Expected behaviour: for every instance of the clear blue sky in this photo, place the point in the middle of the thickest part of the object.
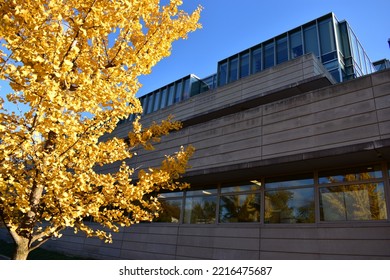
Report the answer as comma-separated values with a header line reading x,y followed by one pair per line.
x,y
230,26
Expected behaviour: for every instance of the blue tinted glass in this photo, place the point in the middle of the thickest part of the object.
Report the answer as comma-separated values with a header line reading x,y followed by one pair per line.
x,y
281,48
186,92
157,101
171,94
327,40
222,74
163,98
244,65
311,40
233,70
150,104
178,92
288,182
269,55
256,60
296,48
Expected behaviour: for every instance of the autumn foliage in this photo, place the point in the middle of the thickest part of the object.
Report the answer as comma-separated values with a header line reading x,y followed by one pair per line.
x,y
74,64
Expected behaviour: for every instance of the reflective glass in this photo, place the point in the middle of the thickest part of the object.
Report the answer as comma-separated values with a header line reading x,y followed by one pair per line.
x,y
240,188
289,206
171,94
157,100
171,209
233,70
327,40
239,208
163,98
350,174
244,65
269,55
289,181
296,48
201,192
281,48
178,92
256,60
200,210
311,40
186,92
353,202
150,103
222,74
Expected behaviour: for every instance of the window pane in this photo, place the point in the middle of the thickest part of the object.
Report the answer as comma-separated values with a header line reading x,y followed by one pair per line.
x,y
178,92
353,202
289,206
171,94
170,212
239,208
244,65
163,98
222,74
201,192
296,44
200,210
350,174
281,46
233,70
269,55
256,60
157,101
150,103
289,181
326,36
311,41
240,188
186,92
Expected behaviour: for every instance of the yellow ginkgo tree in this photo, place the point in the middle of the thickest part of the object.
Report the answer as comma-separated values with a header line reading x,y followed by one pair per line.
x,y
74,64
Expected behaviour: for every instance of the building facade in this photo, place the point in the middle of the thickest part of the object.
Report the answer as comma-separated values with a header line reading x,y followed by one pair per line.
x,y
291,162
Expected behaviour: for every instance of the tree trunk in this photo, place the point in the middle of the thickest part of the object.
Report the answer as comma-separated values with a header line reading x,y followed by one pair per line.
x,y
21,249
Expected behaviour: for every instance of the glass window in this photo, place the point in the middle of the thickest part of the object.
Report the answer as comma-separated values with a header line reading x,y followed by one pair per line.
x,y
222,74
157,100
289,181
163,98
178,92
281,49
296,48
311,40
187,91
256,60
350,174
353,202
171,204
200,207
171,94
244,65
327,40
289,206
240,188
239,208
233,70
269,55
150,103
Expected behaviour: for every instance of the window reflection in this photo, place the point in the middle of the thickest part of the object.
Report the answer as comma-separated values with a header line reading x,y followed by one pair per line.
x,y
289,206
256,60
239,208
269,55
200,209
353,202
171,210
296,44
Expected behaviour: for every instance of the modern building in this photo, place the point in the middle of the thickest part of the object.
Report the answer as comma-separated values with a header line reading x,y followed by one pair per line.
x,y
292,158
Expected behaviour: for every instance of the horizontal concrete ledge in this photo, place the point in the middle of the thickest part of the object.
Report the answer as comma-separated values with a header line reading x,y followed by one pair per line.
x,y
287,91
323,159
